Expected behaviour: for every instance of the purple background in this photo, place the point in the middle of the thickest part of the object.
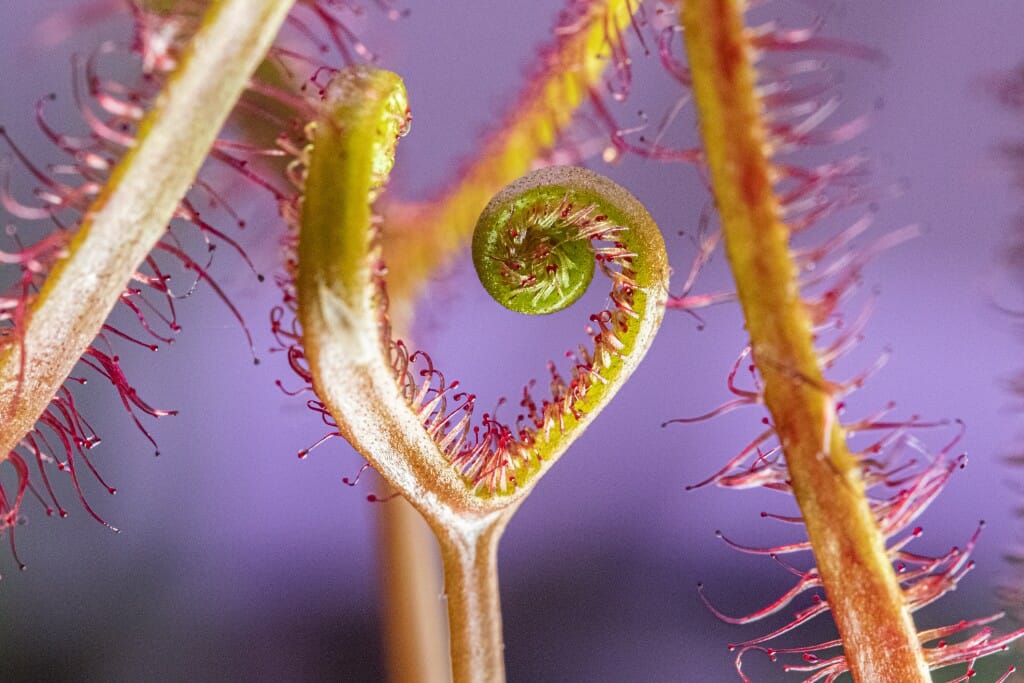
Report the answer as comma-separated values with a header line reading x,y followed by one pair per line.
x,y
238,562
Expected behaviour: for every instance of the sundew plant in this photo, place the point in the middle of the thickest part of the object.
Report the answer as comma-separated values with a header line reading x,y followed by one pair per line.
x,y
799,195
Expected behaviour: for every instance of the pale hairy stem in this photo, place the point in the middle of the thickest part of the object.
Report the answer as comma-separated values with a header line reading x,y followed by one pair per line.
x,y
864,594
469,551
132,212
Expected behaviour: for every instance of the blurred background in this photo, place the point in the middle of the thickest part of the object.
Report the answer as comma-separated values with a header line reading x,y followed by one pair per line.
x,y
236,561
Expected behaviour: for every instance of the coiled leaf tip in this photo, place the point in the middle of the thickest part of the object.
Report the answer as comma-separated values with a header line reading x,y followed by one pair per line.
x,y
532,246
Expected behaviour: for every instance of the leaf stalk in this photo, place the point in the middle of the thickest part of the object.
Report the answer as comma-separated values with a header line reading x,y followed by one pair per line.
x,y
864,594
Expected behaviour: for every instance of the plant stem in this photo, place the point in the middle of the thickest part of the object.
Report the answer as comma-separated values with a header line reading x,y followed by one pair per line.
x,y
863,592
469,551
415,642
132,212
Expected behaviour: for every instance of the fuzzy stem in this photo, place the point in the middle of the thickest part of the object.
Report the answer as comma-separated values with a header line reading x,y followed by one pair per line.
x,y
863,592
469,551
133,210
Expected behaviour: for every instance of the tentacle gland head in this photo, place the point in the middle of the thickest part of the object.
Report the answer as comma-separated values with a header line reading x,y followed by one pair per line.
x,y
538,244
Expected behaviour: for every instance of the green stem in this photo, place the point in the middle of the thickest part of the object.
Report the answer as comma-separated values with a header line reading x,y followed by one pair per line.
x,y
864,594
132,212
